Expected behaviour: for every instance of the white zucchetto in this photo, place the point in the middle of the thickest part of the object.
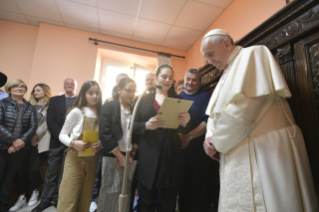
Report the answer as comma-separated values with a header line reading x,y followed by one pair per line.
x,y
216,32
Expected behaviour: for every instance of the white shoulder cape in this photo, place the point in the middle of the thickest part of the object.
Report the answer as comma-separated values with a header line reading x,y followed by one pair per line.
x,y
254,72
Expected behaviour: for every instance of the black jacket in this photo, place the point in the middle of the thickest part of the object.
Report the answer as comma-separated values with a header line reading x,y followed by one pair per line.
x,y
110,127
55,119
8,116
159,151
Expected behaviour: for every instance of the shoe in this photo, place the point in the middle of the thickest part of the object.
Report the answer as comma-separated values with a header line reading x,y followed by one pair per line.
x,y
41,207
34,198
93,206
55,203
19,204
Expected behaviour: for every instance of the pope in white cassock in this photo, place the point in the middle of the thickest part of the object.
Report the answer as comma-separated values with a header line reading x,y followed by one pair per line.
x,y
263,160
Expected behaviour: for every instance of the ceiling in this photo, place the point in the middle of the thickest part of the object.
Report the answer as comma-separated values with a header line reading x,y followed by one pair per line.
x,y
171,23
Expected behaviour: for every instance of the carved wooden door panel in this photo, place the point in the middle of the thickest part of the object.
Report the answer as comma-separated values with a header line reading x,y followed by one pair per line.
x,y
307,70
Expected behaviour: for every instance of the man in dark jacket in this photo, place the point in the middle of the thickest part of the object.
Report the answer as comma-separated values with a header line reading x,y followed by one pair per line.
x,y
58,107
3,80
199,190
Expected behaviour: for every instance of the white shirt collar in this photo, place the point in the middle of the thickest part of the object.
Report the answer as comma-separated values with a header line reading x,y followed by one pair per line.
x,y
233,55
190,93
66,96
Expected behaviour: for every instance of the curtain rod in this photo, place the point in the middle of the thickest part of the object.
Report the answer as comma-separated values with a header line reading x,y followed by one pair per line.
x,y
117,44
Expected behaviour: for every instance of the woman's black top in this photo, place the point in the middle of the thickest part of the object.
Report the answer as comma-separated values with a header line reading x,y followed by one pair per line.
x,y
159,154
10,128
110,127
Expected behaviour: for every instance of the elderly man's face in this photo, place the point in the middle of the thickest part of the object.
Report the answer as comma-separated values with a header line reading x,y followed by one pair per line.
x,y
118,78
191,82
69,86
149,79
217,55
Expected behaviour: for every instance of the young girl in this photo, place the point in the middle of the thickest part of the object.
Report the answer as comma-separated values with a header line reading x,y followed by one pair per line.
x,y
80,172
114,121
159,148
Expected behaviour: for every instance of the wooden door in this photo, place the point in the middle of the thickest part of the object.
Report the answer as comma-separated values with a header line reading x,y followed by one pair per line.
x,y
307,110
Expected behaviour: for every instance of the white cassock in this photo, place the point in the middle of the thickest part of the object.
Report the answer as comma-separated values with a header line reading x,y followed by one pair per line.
x,y
263,163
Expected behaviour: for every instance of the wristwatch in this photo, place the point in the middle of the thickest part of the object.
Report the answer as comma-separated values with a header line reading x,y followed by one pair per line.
x,y
190,136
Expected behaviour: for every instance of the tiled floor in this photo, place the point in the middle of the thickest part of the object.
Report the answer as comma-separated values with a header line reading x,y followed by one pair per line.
x,y
53,209
29,209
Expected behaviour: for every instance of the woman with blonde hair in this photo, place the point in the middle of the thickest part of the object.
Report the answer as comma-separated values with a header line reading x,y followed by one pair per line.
x,y
18,123
39,98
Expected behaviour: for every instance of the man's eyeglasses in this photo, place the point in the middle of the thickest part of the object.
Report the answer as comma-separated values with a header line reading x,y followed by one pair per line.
x,y
22,87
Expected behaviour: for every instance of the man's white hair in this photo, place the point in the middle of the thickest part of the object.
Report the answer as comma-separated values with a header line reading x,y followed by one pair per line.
x,y
150,73
75,82
120,75
218,39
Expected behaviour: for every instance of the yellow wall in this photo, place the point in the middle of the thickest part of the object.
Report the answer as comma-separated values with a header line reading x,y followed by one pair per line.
x,y
49,54
241,17
17,46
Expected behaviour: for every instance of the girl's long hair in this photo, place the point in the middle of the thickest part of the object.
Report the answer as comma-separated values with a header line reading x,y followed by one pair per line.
x,y
47,94
80,100
122,83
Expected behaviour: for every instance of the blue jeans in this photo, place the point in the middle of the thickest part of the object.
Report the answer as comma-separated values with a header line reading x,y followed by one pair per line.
x,y
97,183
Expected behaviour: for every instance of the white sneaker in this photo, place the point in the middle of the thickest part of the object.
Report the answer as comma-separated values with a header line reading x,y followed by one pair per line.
x,y
34,198
93,207
19,204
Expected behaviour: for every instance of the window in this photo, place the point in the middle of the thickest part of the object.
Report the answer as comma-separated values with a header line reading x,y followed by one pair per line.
x,y
109,79
114,63
140,73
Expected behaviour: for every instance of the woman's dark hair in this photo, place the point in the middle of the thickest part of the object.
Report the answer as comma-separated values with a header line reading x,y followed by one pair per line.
x,y
171,92
159,69
122,83
80,100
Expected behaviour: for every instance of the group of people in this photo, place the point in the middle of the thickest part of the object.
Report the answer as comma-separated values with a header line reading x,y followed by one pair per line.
x,y
55,126
245,130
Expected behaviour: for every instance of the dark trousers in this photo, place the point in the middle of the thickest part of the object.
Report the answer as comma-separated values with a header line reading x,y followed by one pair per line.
x,y
9,166
55,157
36,160
97,183
23,177
199,191
149,199
137,184
134,187
29,171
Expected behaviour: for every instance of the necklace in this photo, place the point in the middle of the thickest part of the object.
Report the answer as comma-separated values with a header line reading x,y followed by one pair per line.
x,y
224,78
222,84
